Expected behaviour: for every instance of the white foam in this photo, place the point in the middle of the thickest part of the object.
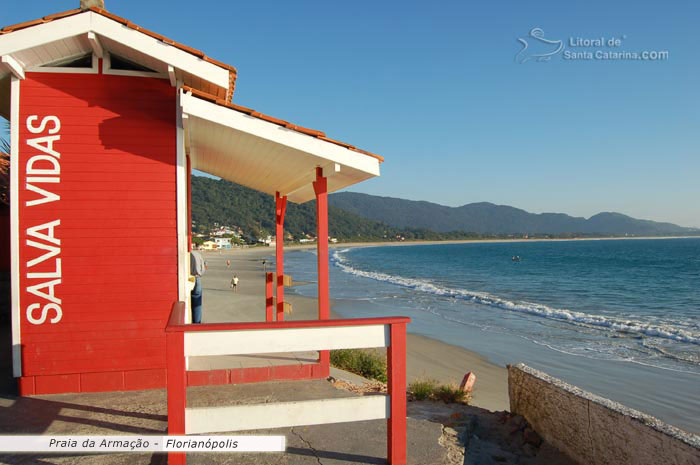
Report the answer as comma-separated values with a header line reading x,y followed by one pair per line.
x,y
540,310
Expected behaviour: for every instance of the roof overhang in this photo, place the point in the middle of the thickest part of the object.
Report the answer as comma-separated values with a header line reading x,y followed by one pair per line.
x,y
266,156
68,36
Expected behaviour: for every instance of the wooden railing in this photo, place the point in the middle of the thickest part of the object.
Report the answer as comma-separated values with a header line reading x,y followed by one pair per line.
x,y
185,340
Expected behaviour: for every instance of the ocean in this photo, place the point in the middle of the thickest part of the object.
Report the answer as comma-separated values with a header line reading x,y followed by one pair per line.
x,y
620,318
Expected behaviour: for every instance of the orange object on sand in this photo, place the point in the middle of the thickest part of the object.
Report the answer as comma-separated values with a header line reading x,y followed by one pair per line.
x,y
468,382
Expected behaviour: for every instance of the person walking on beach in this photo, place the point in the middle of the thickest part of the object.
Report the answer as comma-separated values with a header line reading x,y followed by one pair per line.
x,y
234,283
197,268
228,263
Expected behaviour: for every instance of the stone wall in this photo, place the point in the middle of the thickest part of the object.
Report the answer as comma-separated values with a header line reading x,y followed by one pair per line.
x,y
594,430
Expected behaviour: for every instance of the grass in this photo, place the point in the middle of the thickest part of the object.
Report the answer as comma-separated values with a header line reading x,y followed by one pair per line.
x,y
367,363
430,389
423,389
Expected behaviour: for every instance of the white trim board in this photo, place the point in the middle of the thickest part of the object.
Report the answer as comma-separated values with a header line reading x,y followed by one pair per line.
x,y
285,340
285,414
14,227
13,66
94,69
107,69
181,181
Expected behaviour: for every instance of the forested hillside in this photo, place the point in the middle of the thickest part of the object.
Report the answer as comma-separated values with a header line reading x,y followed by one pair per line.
x,y
226,203
362,217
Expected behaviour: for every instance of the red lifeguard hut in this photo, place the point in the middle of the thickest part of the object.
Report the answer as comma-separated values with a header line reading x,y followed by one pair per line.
x,y
107,121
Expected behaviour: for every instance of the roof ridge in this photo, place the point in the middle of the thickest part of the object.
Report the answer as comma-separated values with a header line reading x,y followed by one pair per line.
x,y
233,73
280,122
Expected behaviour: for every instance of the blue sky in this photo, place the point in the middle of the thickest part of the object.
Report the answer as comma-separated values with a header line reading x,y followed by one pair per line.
x,y
435,88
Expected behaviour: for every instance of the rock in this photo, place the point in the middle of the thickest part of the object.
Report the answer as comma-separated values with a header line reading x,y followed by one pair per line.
x,y
529,450
531,437
516,423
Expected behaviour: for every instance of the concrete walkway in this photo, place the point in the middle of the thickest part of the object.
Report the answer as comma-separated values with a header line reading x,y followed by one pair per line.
x,y
144,412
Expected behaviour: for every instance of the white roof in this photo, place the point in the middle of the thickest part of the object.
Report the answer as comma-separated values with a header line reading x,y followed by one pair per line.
x,y
266,156
65,37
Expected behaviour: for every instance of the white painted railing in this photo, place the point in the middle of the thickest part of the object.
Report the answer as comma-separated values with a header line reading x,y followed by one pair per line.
x,y
288,336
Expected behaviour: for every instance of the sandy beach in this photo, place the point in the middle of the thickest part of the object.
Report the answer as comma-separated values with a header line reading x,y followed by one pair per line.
x,y
426,357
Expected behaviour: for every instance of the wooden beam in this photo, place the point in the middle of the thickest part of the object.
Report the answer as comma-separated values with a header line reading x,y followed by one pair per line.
x,y
96,45
171,75
12,65
201,420
199,343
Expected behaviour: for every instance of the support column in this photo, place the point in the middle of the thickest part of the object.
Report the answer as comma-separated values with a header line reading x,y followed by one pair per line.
x,y
176,391
189,206
396,371
280,209
324,310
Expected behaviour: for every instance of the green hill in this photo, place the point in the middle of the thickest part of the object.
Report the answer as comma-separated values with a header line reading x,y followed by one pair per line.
x,y
226,203
362,217
488,218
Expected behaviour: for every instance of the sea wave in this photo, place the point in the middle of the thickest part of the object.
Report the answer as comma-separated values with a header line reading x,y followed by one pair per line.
x,y
530,308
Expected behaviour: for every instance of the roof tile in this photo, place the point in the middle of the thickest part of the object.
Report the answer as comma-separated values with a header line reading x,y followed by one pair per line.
x,y
17,27
109,15
62,14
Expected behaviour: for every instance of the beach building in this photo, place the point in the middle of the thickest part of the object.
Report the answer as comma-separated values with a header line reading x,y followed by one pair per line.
x,y
108,120
222,242
209,245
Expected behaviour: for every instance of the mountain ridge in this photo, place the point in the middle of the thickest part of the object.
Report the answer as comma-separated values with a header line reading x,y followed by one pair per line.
x,y
363,217
487,217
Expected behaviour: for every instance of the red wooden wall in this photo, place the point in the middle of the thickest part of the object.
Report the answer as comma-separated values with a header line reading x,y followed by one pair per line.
x,y
117,231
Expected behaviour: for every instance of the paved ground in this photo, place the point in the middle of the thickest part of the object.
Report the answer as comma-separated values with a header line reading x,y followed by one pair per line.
x,y
144,412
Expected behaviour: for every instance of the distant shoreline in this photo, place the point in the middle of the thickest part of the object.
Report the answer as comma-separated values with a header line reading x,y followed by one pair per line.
x,y
480,241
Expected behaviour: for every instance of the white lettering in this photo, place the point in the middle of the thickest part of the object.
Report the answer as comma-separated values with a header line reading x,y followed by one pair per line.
x,y
42,125
52,252
33,171
44,313
51,296
44,168
53,274
50,237
48,149
47,196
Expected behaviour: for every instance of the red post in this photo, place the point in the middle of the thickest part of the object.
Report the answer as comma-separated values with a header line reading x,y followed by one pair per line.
x,y
176,379
189,204
396,370
321,190
269,300
280,209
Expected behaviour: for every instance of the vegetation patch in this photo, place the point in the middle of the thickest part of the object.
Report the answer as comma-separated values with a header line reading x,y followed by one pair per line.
x,y
431,389
423,389
367,363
